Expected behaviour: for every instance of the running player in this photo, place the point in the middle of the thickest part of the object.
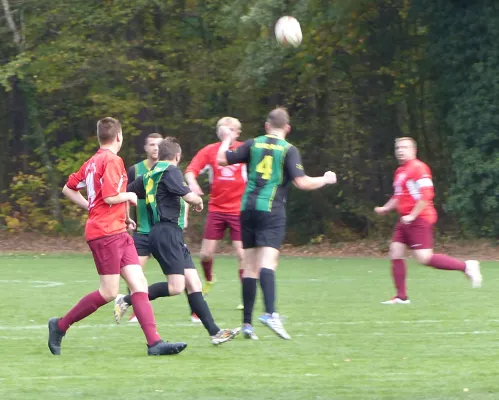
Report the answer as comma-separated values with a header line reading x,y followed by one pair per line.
x,y
413,200
166,193
105,178
227,184
141,235
272,164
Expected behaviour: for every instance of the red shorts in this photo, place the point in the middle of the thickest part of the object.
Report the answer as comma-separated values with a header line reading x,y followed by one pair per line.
x,y
111,253
217,223
416,235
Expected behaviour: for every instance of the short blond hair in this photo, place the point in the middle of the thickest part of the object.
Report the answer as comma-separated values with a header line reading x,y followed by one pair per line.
x,y
228,121
410,139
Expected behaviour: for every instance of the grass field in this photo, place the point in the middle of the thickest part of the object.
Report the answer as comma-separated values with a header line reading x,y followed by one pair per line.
x,y
345,344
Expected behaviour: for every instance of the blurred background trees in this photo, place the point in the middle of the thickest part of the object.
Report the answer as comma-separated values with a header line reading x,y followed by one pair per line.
x,y
367,72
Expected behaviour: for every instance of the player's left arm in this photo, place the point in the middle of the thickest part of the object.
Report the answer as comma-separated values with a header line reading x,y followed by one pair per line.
x,y
186,215
296,173
71,189
112,180
426,192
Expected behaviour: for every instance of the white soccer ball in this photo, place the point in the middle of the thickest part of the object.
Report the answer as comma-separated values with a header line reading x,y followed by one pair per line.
x,y
288,31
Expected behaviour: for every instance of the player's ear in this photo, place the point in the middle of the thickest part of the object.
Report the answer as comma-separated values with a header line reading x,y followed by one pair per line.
x,y
287,128
267,127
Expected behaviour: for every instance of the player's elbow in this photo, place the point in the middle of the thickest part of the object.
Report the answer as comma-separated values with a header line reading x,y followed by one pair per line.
x,y
67,191
300,182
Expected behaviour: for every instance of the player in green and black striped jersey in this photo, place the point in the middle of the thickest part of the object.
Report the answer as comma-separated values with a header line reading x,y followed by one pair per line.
x,y
272,164
140,236
166,194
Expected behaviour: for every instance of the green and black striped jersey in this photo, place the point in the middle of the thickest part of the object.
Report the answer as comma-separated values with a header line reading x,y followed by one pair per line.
x,y
163,188
141,213
272,164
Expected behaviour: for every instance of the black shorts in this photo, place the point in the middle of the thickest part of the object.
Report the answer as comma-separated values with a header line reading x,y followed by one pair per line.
x,y
262,229
141,242
166,242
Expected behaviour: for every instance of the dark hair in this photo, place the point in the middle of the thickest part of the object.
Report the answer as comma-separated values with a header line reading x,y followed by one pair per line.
x,y
107,130
278,118
168,148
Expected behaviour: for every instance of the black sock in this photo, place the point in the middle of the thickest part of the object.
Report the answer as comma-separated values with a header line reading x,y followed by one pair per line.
x,y
267,283
159,289
128,299
200,307
190,308
249,295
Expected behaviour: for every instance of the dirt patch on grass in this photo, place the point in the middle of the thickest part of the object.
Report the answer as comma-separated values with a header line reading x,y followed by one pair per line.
x,y
36,243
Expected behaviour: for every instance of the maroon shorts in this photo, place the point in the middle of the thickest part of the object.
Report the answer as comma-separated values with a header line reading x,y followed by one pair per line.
x,y
417,235
217,223
111,253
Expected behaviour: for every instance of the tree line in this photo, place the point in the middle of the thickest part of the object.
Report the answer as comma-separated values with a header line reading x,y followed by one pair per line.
x,y
367,72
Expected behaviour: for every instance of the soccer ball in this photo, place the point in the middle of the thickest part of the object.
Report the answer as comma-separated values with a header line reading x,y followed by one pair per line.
x,y
288,31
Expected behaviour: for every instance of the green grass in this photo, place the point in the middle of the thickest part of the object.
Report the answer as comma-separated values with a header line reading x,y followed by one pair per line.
x,y
345,344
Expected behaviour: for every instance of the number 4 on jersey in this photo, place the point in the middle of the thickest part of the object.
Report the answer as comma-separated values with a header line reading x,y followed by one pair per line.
x,y
264,167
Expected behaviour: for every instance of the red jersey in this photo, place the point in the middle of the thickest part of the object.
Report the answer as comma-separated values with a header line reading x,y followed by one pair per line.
x,y
227,183
103,175
413,182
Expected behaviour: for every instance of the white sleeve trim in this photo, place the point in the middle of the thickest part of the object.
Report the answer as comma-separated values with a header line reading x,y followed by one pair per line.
x,y
424,182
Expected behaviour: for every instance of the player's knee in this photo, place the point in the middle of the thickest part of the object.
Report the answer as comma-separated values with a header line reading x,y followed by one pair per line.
x,y
396,252
108,294
251,273
206,256
175,288
423,257
194,286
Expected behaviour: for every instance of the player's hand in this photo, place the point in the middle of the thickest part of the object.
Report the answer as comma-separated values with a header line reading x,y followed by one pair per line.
x,y
407,219
130,224
132,198
330,178
381,210
196,189
226,133
199,207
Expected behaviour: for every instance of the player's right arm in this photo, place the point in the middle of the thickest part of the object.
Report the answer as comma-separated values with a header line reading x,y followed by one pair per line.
x,y
392,203
112,179
71,189
137,187
197,164
235,156
297,174
389,206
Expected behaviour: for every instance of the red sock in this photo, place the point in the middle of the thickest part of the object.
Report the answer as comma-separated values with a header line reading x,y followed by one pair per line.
x,y
399,272
208,269
442,261
86,306
143,311
241,272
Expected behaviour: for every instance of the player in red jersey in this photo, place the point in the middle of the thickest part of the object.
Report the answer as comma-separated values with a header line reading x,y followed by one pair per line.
x,y
227,184
413,200
105,179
